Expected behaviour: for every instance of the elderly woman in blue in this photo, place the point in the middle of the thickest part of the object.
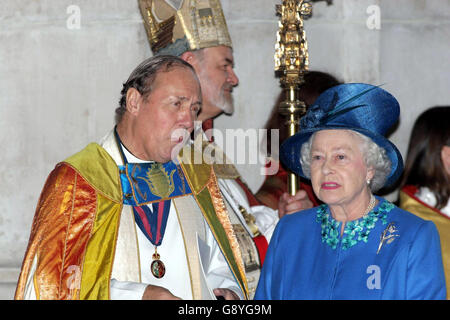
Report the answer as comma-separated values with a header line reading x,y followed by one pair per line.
x,y
356,245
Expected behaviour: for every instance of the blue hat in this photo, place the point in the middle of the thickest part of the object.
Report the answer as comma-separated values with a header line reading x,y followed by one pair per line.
x,y
360,107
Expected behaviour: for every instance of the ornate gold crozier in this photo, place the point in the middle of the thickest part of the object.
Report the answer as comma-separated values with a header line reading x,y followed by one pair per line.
x,y
291,64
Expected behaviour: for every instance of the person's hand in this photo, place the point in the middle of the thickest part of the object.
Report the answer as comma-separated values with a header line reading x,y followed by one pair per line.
x,y
226,293
289,204
158,293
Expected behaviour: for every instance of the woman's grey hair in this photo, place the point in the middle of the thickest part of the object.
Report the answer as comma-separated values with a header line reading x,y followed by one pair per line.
x,y
374,156
144,75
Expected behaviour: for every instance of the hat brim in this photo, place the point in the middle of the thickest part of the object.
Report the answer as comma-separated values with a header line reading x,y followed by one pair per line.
x,y
291,148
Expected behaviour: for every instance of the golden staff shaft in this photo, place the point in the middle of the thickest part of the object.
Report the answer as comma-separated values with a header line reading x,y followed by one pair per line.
x,y
291,63
292,128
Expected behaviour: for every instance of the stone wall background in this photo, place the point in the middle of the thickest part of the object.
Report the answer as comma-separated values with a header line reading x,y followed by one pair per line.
x,y
59,86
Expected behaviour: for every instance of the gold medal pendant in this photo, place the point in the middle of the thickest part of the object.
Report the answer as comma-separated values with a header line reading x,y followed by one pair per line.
x,y
157,267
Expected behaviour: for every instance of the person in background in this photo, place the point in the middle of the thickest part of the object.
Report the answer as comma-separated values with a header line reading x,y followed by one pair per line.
x,y
197,32
275,185
356,245
425,185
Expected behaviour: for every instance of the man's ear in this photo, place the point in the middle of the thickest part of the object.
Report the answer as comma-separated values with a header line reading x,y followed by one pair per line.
x,y
133,101
189,57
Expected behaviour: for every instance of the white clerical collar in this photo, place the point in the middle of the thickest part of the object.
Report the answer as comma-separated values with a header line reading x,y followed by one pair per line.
x,y
427,196
131,158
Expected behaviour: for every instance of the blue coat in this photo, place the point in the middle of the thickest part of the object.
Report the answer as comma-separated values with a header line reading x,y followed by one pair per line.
x,y
308,259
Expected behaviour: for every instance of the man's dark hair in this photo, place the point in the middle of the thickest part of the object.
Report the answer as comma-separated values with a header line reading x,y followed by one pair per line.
x,y
144,75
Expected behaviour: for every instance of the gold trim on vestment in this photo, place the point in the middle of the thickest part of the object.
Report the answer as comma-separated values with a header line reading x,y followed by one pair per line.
x,y
97,166
224,219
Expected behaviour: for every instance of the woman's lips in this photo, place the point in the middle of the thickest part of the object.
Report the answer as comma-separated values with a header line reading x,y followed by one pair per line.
x,y
330,185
